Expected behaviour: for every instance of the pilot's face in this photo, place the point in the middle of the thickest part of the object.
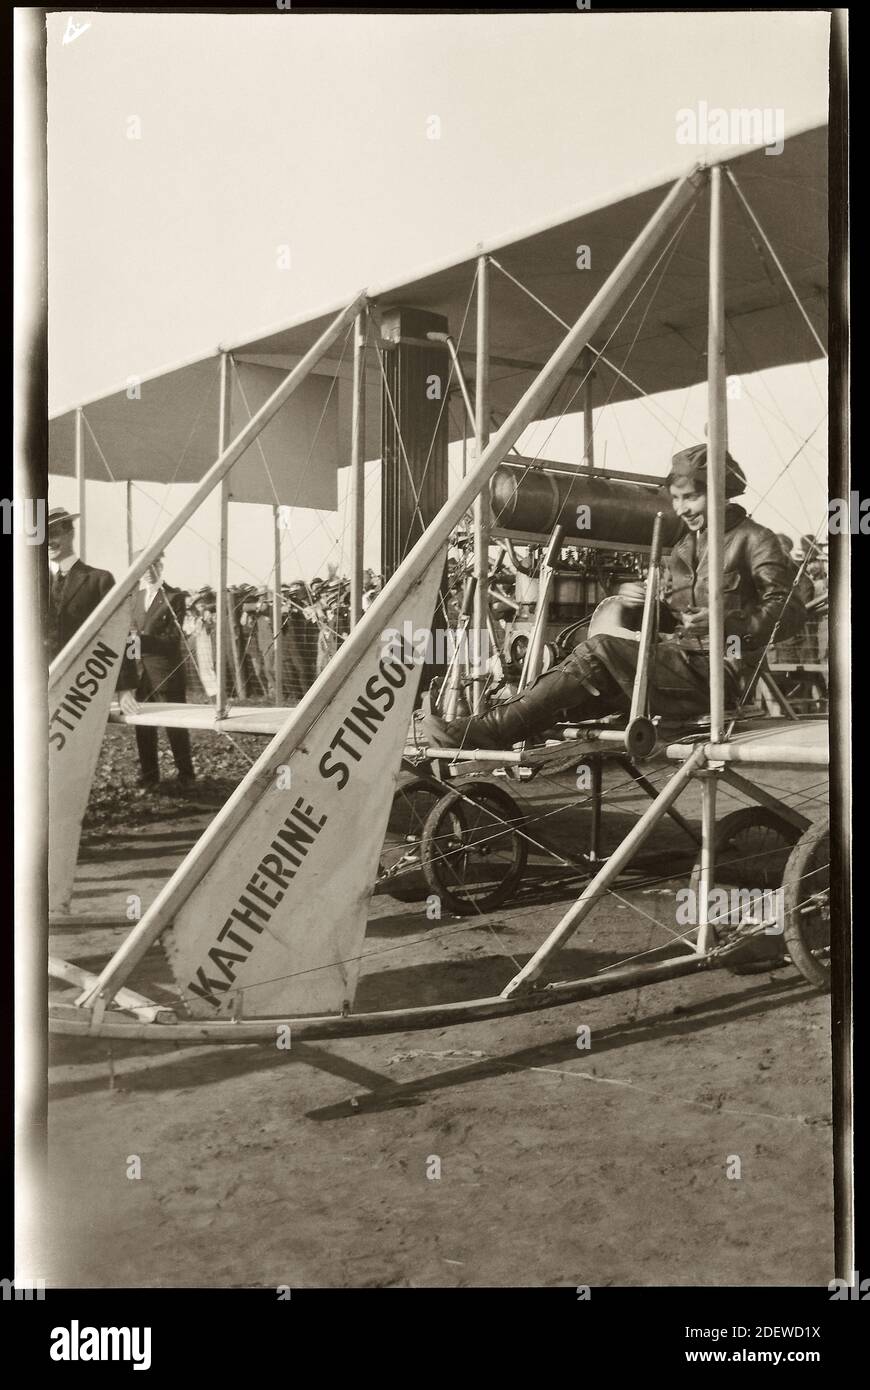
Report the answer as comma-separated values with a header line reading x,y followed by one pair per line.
x,y
689,501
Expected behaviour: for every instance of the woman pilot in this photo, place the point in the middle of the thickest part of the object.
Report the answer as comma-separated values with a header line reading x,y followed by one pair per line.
x,y
597,678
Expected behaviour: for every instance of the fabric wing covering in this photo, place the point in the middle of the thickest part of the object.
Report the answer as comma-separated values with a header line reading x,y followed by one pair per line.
x,y
170,431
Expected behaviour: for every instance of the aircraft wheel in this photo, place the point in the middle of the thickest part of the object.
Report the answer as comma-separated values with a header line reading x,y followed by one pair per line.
x,y
806,890
751,853
401,872
472,857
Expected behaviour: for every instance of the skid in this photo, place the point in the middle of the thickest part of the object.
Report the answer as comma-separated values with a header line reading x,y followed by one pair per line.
x,y
76,1022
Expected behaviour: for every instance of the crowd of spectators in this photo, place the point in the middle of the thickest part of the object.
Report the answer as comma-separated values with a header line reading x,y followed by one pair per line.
x,y
810,566
315,618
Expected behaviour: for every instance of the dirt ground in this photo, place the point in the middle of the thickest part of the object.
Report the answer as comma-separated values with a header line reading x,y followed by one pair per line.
x,y
690,1143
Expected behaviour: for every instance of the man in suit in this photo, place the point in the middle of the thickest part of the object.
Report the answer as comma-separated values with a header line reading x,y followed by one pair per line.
x,y
157,618
75,588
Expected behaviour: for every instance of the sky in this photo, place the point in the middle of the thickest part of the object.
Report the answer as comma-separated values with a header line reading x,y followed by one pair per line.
x,y
257,131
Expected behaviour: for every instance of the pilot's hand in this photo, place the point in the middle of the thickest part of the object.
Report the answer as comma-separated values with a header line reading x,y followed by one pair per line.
x,y
634,591
696,620
128,702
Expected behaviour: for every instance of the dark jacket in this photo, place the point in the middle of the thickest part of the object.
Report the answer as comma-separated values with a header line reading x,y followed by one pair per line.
x,y
756,583
161,661
83,588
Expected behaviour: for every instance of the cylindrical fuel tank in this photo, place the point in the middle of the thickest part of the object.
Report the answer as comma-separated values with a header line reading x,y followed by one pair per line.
x,y
534,499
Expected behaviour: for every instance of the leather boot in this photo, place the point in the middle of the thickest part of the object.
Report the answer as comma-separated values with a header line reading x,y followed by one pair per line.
x,y
519,717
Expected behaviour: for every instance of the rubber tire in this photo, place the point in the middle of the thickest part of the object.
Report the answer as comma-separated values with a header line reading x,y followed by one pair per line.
x,y
409,785
726,829
813,846
433,832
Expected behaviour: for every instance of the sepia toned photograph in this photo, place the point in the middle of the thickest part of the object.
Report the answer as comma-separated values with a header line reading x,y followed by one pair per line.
x,y
432,756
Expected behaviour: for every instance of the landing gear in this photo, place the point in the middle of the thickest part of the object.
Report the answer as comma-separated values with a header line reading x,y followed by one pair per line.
x,y
806,890
401,872
472,851
751,853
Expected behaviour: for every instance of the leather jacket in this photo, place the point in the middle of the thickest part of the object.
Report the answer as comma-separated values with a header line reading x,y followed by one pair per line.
x,y
757,583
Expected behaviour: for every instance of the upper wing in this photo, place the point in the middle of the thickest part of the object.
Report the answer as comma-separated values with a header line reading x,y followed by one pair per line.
x,y
169,433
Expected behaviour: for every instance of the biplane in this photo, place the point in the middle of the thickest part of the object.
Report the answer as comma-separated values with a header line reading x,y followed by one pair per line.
x,y
263,923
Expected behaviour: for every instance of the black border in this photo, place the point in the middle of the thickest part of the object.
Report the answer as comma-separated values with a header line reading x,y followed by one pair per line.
x,y
239,1330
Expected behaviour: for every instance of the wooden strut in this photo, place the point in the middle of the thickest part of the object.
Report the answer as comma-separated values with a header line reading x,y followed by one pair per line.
x,y
81,504
358,466
763,798
223,619
277,609
128,508
447,700
598,885
535,649
238,668
137,1004
482,508
587,361
457,367
717,443
640,692
78,1022
634,772
427,550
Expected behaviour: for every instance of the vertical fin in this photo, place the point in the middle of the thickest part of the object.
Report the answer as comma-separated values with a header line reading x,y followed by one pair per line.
x,y
78,704
276,924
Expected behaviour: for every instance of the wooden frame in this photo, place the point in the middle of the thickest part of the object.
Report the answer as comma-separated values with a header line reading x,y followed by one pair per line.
x,y
705,760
